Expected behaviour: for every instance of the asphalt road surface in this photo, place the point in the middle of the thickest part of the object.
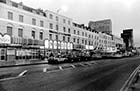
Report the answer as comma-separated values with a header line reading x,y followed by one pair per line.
x,y
101,75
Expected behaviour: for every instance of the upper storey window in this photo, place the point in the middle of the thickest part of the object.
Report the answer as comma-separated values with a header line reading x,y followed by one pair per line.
x,y
33,21
10,15
51,16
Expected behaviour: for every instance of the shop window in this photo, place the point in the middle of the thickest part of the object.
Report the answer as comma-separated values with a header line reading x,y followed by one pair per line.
x,y
2,54
9,30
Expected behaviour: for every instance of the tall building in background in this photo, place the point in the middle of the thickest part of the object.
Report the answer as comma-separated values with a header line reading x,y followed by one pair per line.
x,y
101,26
127,36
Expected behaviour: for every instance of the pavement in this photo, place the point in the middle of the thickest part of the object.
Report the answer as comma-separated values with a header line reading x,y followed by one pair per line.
x,y
16,63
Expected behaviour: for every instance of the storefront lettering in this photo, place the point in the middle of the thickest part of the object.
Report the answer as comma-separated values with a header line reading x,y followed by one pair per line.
x,y
5,39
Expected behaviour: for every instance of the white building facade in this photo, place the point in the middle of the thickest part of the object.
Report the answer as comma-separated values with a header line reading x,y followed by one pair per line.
x,y
29,29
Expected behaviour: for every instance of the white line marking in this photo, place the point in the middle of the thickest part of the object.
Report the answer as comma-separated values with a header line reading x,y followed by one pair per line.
x,y
22,73
60,68
72,66
82,64
45,69
10,78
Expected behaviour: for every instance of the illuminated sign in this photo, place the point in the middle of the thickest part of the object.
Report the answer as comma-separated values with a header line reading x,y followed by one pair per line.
x,y
51,44
46,43
55,45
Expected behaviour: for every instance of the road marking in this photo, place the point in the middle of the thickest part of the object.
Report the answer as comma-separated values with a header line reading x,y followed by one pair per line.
x,y
93,62
82,64
60,68
10,78
72,66
89,64
45,69
22,73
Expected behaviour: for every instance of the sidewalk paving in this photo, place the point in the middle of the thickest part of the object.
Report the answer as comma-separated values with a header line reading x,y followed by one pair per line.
x,y
4,64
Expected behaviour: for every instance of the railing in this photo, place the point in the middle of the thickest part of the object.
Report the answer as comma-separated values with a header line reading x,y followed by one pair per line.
x,y
131,80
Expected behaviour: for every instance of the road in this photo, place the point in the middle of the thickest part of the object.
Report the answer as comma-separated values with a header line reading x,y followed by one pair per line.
x,y
100,75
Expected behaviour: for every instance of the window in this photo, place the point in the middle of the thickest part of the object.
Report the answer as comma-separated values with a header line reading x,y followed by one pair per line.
x,y
86,34
51,26
64,29
50,36
41,35
57,19
10,15
82,33
63,38
78,32
78,41
51,16
74,31
68,30
73,39
20,18
89,35
83,41
57,27
64,21
68,39
20,32
69,22
33,34
42,23
56,37
33,21
9,30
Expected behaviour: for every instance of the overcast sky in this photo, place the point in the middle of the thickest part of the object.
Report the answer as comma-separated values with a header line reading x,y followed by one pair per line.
x,y
123,13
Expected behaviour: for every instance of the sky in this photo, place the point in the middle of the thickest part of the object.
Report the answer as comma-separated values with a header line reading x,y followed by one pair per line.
x,y
124,14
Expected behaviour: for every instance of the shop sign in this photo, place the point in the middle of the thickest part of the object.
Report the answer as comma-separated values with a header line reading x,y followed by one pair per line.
x,y
71,46
59,45
68,45
47,44
65,45
55,45
62,45
6,39
50,44
10,52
